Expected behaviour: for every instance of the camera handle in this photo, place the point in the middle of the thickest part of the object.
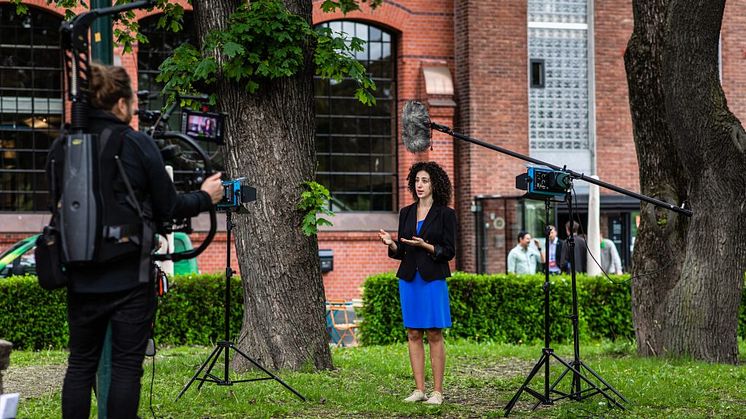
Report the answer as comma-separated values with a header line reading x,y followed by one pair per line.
x,y
188,254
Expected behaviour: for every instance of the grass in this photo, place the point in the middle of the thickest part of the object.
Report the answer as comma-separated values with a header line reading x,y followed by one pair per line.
x,y
480,379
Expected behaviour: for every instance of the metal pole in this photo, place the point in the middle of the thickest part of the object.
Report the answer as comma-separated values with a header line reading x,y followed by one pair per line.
x,y
228,275
102,49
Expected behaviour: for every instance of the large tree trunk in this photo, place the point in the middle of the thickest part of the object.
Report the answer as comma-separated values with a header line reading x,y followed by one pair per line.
x,y
270,141
688,273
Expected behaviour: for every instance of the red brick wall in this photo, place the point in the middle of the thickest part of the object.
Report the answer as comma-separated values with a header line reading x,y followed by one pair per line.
x,y
615,147
356,256
7,239
491,89
733,44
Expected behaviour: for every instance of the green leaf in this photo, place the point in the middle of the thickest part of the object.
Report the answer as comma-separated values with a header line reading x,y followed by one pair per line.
x,y
231,49
314,200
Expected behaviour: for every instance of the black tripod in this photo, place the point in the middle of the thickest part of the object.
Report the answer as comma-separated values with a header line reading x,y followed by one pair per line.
x,y
224,346
576,366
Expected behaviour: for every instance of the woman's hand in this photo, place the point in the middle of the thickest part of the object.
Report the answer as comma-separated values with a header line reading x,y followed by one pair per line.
x,y
414,241
385,237
419,242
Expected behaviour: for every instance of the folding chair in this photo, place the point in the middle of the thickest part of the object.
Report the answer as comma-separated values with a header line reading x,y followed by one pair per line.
x,y
342,317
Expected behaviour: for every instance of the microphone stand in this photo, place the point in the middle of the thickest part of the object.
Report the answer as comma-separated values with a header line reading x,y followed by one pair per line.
x,y
576,392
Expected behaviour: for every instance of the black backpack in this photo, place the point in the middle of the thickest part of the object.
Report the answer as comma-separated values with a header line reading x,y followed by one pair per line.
x,y
97,217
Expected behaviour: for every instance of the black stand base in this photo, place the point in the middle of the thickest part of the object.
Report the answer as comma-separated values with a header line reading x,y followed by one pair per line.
x,y
576,392
577,367
225,347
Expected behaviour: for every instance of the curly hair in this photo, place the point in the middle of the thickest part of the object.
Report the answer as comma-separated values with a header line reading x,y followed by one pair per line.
x,y
438,179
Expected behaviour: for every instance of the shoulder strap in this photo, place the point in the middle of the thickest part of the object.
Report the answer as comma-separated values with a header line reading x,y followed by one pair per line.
x,y
111,142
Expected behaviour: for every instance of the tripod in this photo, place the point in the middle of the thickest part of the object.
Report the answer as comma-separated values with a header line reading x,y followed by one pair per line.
x,y
224,346
576,366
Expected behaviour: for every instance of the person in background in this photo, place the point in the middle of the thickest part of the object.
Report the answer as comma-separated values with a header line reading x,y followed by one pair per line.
x,y
426,242
523,259
581,249
554,252
610,261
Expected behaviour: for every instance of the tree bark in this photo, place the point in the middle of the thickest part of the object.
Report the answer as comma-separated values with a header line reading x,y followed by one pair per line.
x,y
688,273
270,141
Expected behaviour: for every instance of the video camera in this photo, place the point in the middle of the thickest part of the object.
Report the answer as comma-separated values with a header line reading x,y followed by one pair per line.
x,y
236,193
543,183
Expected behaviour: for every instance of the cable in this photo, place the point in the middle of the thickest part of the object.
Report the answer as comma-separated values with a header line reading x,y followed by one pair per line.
x,y
670,251
152,379
152,373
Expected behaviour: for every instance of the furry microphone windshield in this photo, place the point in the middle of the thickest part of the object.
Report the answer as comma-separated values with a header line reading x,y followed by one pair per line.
x,y
416,124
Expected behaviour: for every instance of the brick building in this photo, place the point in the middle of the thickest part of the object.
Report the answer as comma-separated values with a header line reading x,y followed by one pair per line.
x,y
544,78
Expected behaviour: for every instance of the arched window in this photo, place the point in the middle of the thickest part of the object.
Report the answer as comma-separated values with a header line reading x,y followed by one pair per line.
x,y
150,56
161,45
30,104
355,143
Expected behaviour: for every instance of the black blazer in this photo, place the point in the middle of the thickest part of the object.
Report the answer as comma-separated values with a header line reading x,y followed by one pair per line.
x,y
581,252
438,229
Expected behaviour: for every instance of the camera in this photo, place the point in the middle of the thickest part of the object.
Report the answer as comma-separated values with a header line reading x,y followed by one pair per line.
x,y
206,126
236,193
543,182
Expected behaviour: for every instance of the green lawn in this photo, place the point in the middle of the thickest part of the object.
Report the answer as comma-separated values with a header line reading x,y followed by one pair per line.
x,y
371,381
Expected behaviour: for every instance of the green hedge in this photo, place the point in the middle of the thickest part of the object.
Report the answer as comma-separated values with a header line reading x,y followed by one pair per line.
x,y
30,317
502,308
191,313
507,308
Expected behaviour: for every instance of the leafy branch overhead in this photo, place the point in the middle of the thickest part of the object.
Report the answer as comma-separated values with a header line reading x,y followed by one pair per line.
x,y
264,41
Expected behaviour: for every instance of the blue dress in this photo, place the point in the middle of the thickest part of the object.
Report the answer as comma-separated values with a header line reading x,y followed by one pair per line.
x,y
424,304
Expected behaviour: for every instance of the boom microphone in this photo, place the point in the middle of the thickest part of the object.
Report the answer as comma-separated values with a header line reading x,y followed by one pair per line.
x,y
415,127
417,132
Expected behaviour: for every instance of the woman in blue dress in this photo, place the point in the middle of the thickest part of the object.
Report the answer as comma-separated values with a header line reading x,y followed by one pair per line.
x,y
426,242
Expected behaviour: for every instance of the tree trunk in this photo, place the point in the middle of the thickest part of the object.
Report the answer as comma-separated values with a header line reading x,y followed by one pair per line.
x,y
270,141
688,272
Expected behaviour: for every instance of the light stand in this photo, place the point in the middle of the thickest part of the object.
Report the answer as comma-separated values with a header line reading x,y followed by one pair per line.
x,y
547,352
576,367
226,345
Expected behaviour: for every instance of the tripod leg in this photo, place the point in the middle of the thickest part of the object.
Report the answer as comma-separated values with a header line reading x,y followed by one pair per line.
x,y
561,376
194,377
598,377
276,378
544,358
212,364
577,373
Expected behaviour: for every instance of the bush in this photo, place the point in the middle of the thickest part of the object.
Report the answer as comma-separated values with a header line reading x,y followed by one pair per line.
x,y
32,318
507,308
191,313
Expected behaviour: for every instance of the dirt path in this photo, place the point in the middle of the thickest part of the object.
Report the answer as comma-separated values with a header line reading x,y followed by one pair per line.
x,y
34,380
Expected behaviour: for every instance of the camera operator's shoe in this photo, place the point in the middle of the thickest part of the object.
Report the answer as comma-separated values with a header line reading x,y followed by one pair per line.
x,y
436,397
416,396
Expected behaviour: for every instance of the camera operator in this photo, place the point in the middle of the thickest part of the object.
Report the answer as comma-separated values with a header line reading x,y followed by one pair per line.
x,y
115,292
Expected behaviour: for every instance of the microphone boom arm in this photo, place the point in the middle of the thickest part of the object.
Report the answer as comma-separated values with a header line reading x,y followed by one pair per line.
x,y
571,173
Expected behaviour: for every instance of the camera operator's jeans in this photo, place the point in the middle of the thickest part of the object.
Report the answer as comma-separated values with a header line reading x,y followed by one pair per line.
x,y
131,314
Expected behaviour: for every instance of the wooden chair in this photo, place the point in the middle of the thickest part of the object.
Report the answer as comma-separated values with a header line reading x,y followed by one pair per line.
x,y
342,317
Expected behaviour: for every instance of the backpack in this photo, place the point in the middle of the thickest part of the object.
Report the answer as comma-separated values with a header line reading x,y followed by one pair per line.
x,y
97,218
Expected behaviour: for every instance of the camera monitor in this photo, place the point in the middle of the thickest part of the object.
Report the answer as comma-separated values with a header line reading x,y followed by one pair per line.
x,y
203,126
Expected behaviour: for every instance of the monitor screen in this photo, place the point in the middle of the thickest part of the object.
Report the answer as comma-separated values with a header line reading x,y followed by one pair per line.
x,y
204,126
